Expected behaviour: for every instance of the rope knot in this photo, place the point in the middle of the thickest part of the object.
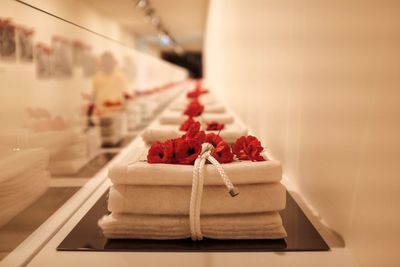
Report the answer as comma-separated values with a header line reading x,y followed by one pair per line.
x,y
197,188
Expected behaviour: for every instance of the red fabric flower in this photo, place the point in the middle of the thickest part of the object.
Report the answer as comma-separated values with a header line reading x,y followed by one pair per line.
x,y
193,94
222,153
215,126
187,151
109,103
161,152
194,133
194,109
248,148
186,124
128,96
198,91
213,139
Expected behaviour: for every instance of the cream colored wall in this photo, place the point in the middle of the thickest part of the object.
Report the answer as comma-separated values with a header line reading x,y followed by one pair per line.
x,y
319,83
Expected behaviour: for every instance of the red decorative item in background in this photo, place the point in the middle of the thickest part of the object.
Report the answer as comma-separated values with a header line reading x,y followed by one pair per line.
x,y
186,124
197,91
112,103
215,126
128,96
248,148
194,109
194,133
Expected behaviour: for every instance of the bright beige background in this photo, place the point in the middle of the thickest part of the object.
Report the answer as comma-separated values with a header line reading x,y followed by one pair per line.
x,y
319,82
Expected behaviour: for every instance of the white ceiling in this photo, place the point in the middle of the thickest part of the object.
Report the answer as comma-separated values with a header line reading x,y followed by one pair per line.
x,y
184,19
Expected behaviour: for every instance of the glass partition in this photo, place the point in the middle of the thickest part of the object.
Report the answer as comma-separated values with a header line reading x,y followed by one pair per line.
x,y
70,98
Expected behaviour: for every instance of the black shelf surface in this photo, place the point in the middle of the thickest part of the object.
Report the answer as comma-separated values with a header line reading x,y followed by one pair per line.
x,y
87,236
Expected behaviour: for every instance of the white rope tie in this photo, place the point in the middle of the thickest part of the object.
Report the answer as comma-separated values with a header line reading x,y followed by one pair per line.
x,y
197,189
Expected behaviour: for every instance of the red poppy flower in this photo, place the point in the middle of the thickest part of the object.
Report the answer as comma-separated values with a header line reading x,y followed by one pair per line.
x,y
128,96
222,153
248,148
187,151
161,152
186,124
194,109
109,103
193,94
215,126
213,139
198,91
194,133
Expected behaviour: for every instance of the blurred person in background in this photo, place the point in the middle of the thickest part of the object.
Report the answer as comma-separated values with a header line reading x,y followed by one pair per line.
x,y
109,85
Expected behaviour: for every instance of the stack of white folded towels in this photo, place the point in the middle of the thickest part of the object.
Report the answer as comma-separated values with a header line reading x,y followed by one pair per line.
x,y
151,201
69,149
167,127
23,179
113,127
81,147
133,114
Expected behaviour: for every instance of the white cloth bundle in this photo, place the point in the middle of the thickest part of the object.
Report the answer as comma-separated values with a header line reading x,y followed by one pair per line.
x,y
151,201
93,141
72,152
23,179
24,194
205,99
67,167
13,163
162,132
215,108
177,118
239,172
145,199
164,227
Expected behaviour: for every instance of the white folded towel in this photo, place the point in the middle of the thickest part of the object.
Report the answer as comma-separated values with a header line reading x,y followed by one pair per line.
x,y
67,167
239,172
174,200
13,163
72,152
162,132
176,118
205,99
24,190
164,227
215,108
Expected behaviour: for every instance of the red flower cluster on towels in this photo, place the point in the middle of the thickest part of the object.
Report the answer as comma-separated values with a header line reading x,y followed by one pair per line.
x,y
248,148
187,148
215,126
161,152
186,124
197,91
194,109
222,152
183,150
194,133
213,139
